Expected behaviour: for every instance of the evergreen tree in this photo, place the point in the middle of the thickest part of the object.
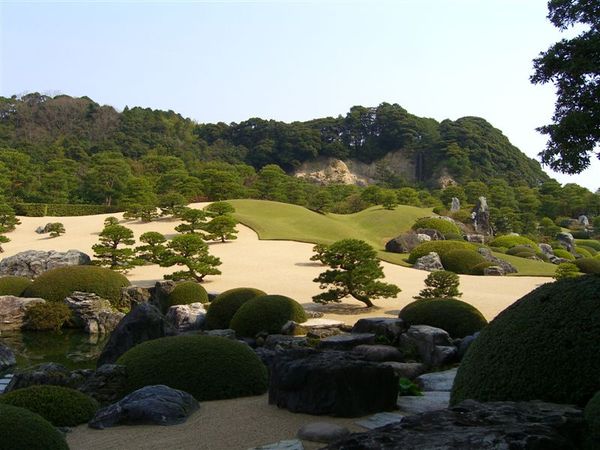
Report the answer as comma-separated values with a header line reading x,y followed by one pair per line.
x,y
191,252
113,251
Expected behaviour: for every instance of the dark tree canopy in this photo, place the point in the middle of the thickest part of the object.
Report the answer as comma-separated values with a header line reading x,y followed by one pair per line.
x,y
573,66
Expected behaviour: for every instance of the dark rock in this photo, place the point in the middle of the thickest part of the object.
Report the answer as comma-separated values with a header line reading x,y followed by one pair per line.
x,y
407,370
106,384
403,243
331,382
377,353
346,341
134,295
430,262
287,444
144,323
429,401
225,333
379,420
481,217
322,432
566,240
488,256
187,317
437,381
7,358
47,373
477,426
33,263
280,341
12,311
92,313
465,343
433,345
434,234
321,333
493,271
383,328
159,294
153,405
266,355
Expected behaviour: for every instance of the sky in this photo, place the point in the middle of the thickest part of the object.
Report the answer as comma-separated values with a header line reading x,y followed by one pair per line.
x,y
291,60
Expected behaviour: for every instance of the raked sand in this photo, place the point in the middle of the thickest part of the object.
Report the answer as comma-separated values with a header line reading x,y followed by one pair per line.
x,y
277,267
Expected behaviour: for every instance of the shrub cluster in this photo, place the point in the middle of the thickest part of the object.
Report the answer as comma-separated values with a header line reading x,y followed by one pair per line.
x,y
591,415
50,209
458,318
188,292
57,284
562,253
439,247
225,305
442,225
266,313
47,316
464,261
592,243
208,367
583,252
591,250
12,285
25,430
510,240
61,406
538,348
566,270
588,265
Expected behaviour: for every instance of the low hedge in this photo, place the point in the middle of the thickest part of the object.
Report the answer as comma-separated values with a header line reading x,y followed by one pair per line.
x,y
458,318
591,414
592,251
509,240
57,284
12,285
562,253
520,249
582,252
266,313
442,225
187,292
462,261
49,209
208,367
439,247
588,265
47,316
25,430
61,406
592,243
225,305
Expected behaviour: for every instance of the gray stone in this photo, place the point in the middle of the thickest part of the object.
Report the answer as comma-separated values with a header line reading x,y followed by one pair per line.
x,y
583,220
478,426
145,322
465,343
481,217
455,206
12,311
475,238
159,294
383,327
429,401
433,345
403,243
282,341
134,295
47,373
566,240
430,262
106,383
346,341
433,234
153,405
488,256
288,444
322,432
41,230
377,353
407,370
546,249
494,271
380,420
437,381
187,317
225,333
7,358
92,313
322,333
33,263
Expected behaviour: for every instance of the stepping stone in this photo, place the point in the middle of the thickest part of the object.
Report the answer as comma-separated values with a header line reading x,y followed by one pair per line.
x,y
437,381
379,420
324,432
290,444
429,401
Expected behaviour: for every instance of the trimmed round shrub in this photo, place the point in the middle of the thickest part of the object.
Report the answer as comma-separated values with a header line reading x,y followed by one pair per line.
x,y
479,269
25,430
188,292
592,251
439,247
566,270
57,284
540,347
225,305
208,367
588,265
527,255
47,316
442,225
266,313
582,252
453,237
520,249
592,243
509,241
458,318
11,285
591,414
61,406
462,261
562,253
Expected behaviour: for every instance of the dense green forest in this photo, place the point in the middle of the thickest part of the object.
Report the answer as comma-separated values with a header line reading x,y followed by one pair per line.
x,y
72,150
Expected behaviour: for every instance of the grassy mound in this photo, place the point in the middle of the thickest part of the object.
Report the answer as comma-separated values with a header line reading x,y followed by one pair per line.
x,y
225,305
25,430
11,285
538,348
458,318
188,292
510,240
266,313
562,253
57,284
48,316
463,261
208,367
61,406
592,420
588,265
443,226
439,247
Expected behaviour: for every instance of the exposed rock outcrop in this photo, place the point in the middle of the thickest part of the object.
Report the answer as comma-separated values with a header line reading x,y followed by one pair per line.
x,y
430,262
12,311
481,217
187,317
93,314
33,263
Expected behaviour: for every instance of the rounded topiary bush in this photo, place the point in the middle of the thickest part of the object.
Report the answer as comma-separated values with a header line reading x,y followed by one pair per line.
x,y
583,252
11,285
25,430
591,414
187,292
591,250
47,316
225,305
510,240
208,367
61,406
562,253
442,225
520,249
591,243
439,247
526,255
588,265
57,284
458,318
540,347
462,261
266,313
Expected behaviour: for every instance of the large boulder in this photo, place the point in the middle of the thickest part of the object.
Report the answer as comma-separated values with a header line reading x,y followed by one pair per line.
x,y
33,263
403,243
384,328
134,295
378,353
504,265
433,345
477,426
106,384
187,317
47,373
145,322
331,382
434,235
430,262
12,311
566,240
346,341
7,358
92,313
481,217
153,405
